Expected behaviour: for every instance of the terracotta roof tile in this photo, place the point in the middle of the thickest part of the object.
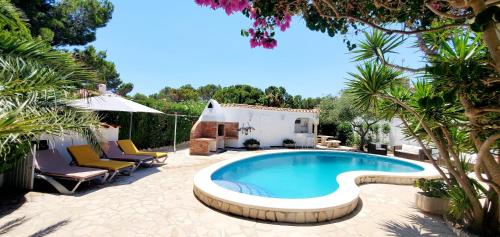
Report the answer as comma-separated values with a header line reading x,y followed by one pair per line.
x,y
260,107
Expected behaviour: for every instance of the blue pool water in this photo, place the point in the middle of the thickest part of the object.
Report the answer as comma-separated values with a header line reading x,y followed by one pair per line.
x,y
300,174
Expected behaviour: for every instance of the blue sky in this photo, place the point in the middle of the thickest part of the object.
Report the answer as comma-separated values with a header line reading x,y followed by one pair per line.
x,y
169,43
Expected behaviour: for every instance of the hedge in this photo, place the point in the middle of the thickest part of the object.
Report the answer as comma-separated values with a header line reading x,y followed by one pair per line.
x,y
156,130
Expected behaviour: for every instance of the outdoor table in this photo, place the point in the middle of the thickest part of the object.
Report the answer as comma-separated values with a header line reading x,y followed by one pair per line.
x,y
323,139
333,143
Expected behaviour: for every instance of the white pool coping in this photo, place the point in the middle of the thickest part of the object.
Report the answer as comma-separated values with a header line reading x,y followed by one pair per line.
x,y
339,203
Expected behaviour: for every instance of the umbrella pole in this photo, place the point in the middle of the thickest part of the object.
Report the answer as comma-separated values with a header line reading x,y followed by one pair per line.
x,y
130,126
175,132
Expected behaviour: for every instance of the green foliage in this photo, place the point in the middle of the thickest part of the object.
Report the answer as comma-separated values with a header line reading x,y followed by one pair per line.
x,y
182,94
432,187
106,70
124,89
208,91
344,112
343,17
46,56
288,141
376,45
458,75
35,81
386,128
66,22
459,203
156,130
12,21
250,142
11,154
239,94
370,81
275,96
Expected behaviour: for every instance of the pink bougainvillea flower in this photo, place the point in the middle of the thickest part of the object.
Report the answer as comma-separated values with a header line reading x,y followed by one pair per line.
x,y
262,28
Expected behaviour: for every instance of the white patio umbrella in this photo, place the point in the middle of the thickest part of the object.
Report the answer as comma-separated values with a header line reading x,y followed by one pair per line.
x,y
113,102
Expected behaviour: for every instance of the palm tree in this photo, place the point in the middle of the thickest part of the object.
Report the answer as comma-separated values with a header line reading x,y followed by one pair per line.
x,y
36,83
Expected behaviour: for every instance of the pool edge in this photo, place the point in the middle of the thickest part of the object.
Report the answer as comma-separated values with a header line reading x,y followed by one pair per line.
x,y
309,210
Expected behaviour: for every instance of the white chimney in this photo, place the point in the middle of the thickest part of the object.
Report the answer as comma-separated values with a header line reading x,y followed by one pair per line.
x,y
102,89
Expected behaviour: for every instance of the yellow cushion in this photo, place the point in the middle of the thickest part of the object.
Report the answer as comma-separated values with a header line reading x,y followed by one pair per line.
x,y
152,153
129,148
85,156
109,164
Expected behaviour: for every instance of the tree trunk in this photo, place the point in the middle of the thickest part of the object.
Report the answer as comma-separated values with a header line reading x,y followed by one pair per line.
x,y
491,215
476,208
490,36
362,138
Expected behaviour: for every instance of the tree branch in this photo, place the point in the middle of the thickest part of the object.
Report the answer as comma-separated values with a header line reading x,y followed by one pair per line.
x,y
421,44
412,70
373,25
445,15
436,166
384,4
484,151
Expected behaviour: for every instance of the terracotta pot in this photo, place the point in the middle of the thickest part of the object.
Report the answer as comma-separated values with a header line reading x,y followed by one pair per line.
x,y
433,205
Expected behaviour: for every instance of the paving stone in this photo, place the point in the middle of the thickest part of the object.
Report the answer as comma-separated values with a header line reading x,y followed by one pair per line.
x,y
160,202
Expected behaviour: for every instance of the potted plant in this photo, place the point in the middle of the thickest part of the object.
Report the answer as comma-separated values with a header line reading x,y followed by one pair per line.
x,y
289,143
251,144
434,196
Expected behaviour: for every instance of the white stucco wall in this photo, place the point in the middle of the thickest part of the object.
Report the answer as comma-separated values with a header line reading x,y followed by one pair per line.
x,y
271,126
396,136
60,143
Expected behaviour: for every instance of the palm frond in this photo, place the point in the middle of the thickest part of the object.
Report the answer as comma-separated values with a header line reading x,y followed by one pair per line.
x,y
41,52
376,46
25,119
371,81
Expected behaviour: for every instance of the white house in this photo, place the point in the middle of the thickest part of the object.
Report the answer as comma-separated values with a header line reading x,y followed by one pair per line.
x,y
230,125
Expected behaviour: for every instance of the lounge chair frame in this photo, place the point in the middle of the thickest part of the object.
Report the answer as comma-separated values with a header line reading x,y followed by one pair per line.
x,y
60,188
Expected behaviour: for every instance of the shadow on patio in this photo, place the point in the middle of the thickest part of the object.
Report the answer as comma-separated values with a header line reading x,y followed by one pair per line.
x,y
18,222
416,225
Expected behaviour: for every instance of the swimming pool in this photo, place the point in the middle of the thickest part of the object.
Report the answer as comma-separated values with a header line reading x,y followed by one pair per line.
x,y
299,186
300,174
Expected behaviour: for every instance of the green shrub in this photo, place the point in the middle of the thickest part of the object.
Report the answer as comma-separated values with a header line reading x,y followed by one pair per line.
x,y
344,133
459,204
432,187
250,142
157,130
289,142
11,154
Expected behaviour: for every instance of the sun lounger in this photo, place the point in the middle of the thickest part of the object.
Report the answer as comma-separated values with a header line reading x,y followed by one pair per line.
x,y
49,164
130,149
84,155
113,152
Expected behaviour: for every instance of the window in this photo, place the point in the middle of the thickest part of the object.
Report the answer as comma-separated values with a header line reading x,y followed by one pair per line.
x,y
302,125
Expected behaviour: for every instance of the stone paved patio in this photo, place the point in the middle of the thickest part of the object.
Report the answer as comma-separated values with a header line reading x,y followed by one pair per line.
x,y
159,202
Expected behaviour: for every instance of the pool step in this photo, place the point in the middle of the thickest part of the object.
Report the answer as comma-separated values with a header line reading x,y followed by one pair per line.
x,y
243,188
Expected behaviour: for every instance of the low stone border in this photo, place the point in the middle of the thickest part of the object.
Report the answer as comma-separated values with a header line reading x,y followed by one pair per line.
x,y
275,215
309,210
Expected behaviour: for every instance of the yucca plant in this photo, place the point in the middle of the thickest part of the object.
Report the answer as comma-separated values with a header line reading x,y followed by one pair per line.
x,y
454,100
